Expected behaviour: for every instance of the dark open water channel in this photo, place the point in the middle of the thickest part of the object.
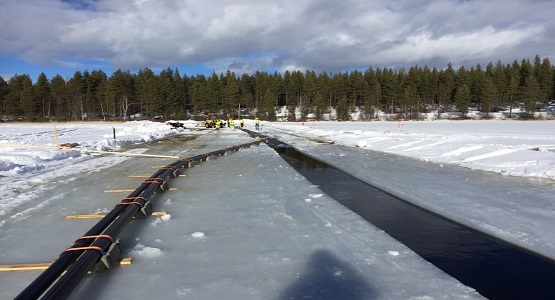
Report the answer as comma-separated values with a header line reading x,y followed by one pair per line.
x,y
495,269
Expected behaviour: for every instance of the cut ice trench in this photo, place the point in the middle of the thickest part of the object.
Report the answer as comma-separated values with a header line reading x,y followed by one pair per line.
x,y
494,268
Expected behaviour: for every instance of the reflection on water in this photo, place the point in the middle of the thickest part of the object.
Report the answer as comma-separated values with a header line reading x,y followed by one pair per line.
x,y
494,269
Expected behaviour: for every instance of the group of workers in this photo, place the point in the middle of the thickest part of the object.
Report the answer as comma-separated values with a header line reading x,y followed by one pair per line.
x,y
231,123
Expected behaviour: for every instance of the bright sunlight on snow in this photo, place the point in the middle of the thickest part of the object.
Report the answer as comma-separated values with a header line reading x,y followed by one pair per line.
x,y
213,248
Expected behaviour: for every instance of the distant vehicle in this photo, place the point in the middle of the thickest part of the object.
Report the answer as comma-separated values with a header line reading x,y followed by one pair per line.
x,y
550,107
210,121
176,125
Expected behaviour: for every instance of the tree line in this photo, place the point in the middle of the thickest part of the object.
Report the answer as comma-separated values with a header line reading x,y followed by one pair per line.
x,y
400,93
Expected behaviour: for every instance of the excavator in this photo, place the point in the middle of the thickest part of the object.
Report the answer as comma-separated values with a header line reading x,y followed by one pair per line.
x,y
210,121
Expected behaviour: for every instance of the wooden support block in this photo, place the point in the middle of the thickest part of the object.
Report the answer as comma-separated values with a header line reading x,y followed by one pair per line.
x,y
100,216
24,267
73,217
128,191
126,261
44,266
148,176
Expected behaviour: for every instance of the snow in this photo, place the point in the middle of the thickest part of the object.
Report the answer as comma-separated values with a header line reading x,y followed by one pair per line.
x,y
518,206
514,148
29,157
143,251
257,229
198,235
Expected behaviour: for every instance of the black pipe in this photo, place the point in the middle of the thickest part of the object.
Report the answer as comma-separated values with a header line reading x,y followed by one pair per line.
x,y
76,264
76,272
73,276
46,278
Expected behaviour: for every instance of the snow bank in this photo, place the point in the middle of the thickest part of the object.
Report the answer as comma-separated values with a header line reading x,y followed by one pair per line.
x,y
29,158
516,148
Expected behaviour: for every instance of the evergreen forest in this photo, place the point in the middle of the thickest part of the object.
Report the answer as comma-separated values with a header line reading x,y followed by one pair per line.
x,y
402,93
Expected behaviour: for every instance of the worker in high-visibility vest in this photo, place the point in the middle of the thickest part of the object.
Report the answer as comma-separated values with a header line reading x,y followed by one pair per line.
x,y
231,124
257,124
242,122
218,124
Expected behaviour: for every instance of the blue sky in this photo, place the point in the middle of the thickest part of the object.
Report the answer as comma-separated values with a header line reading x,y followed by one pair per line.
x,y
201,37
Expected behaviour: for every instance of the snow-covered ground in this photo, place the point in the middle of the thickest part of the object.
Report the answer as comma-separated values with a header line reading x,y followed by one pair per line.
x,y
447,178
514,148
292,207
29,158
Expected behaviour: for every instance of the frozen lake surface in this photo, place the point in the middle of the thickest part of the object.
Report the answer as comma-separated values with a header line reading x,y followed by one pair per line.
x,y
247,226
243,226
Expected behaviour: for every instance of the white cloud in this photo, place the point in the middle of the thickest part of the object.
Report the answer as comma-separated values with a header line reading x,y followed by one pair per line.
x,y
318,35
458,46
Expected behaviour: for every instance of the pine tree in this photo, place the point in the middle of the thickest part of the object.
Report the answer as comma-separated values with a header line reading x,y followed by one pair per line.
x,y
390,94
95,93
247,91
375,98
121,94
531,95
148,92
462,77
12,103
180,109
59,97
232,92
544,75
169,94
4,90
367,109
185,89
500,82
339,89
526,70
28,100
276,85
409,100
412,95
76,92
512,88
309,91
199,93
356,86
343,109
319,105
323,83
268,108
91,94
433,81
487,95
43,97
290,95
297,79
372,105
446,88
511,91
214,94
462,99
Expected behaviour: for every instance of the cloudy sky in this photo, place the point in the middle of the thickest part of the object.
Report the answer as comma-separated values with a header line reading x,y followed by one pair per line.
x,y
202,36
